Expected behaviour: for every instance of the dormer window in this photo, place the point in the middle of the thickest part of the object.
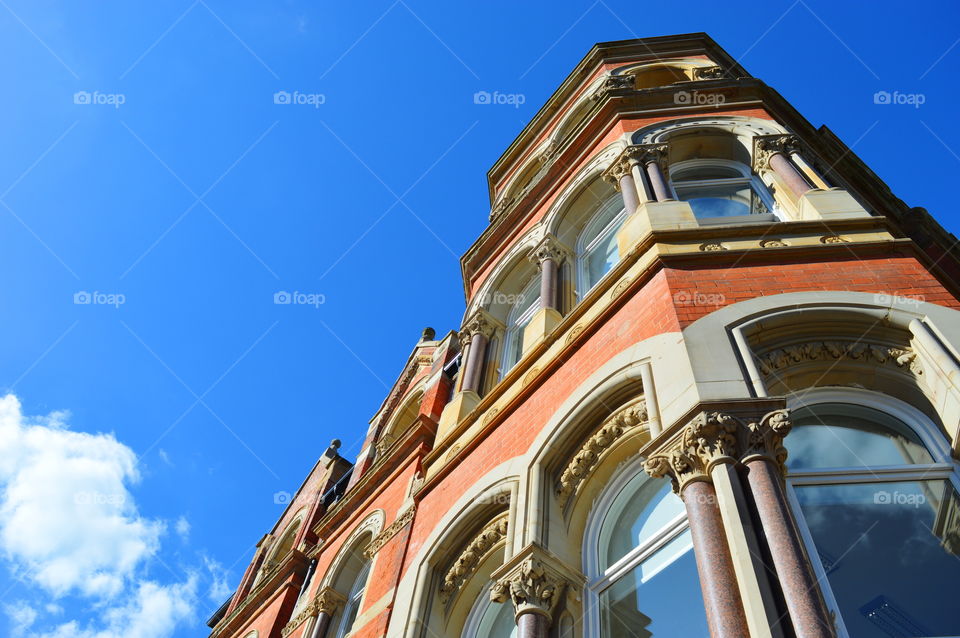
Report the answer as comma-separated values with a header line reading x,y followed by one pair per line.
x,y
718,190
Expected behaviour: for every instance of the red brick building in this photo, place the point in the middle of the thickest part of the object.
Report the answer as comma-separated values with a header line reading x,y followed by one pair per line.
x,y
707,383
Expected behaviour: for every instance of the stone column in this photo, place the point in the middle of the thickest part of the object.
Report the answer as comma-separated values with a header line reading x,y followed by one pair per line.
x,y
620,175
772,152
474,336
688,460
764,458
535,586
327,602
546,255
653,157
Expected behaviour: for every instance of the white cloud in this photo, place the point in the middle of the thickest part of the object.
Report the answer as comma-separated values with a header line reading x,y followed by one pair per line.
x,y
69,525
219,581
182,527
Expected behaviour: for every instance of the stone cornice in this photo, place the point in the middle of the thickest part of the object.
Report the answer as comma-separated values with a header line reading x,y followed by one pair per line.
x,y
384,537
580,467
479,547
715,437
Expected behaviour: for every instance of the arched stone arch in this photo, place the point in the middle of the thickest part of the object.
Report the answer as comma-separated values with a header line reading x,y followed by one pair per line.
x,y
401,419
508,277
353,547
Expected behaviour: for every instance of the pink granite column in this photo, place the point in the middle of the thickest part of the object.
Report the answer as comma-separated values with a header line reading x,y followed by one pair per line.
x,y
659,185
783,167
532,625
800,590
718,582
472,370
323,623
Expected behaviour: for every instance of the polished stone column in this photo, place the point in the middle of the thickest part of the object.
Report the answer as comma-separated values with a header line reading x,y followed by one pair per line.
x,y
772,152
652,158
546,255
327,602
764,462
619,174
474,337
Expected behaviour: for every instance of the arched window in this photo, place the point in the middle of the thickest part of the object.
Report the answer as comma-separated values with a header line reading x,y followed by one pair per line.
x,y
720,189
597,250
639,560
352,607
523,307
875,493
488,619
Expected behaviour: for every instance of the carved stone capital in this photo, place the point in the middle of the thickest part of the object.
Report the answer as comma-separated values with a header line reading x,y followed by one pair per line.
x,y
548,248
616,171
534,581
709,73
644,154
716,437
766,146
615,83
472,555
478,323
328,600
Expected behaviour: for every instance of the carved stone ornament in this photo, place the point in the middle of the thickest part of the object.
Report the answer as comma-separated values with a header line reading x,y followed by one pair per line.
x,y
500,207
864,352
713,438
833,239
712,246
326,601
474,553
773,243
548,248
766,146
615,83
709,73
585,460
643,154
615,172
478,323
532,588
383,537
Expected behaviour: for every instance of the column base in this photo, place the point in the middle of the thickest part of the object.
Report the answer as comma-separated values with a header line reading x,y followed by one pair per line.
x,y
669,215
541,324
835,203
462,404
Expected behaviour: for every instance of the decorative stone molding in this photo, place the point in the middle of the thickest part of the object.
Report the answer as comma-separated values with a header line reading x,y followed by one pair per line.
x,y
548,154
585,460
621,287
714,438
766,146
574,333
326,601
773,243
548,248
872,353
383,537
474,553
478,323
500,207
712,246
532,586
834,239
614,83
709,73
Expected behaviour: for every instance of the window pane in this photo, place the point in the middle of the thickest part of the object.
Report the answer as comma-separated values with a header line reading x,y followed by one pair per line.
x,y
659,597
641,509
600,259
843,435
497,621
890,552
723,200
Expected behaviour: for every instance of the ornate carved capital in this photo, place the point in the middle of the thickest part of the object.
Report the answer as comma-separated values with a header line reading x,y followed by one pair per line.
x,y
584,461
532,587
644,154
709,73
715,437
766,146
328,600
615,83
472,555
615,171
478,323
548,248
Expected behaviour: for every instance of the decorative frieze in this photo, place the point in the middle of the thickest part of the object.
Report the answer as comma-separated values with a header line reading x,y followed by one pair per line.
x,y
532,588
381,539
585,460
615,83
864,352
500,207
474,553
714,438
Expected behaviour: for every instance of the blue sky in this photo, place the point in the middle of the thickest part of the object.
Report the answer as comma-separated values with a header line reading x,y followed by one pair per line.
x,y
152,427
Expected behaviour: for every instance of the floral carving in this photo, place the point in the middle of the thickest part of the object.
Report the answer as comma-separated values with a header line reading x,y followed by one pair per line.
x,y
836,350
773,243
583,462
381,539
614,83
478,548
531,588
712,246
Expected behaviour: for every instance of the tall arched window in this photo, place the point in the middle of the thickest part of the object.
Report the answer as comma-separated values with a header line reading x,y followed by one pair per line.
x,y
523,307
720,189
875,493
639,560
488,619
597,250
352,607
